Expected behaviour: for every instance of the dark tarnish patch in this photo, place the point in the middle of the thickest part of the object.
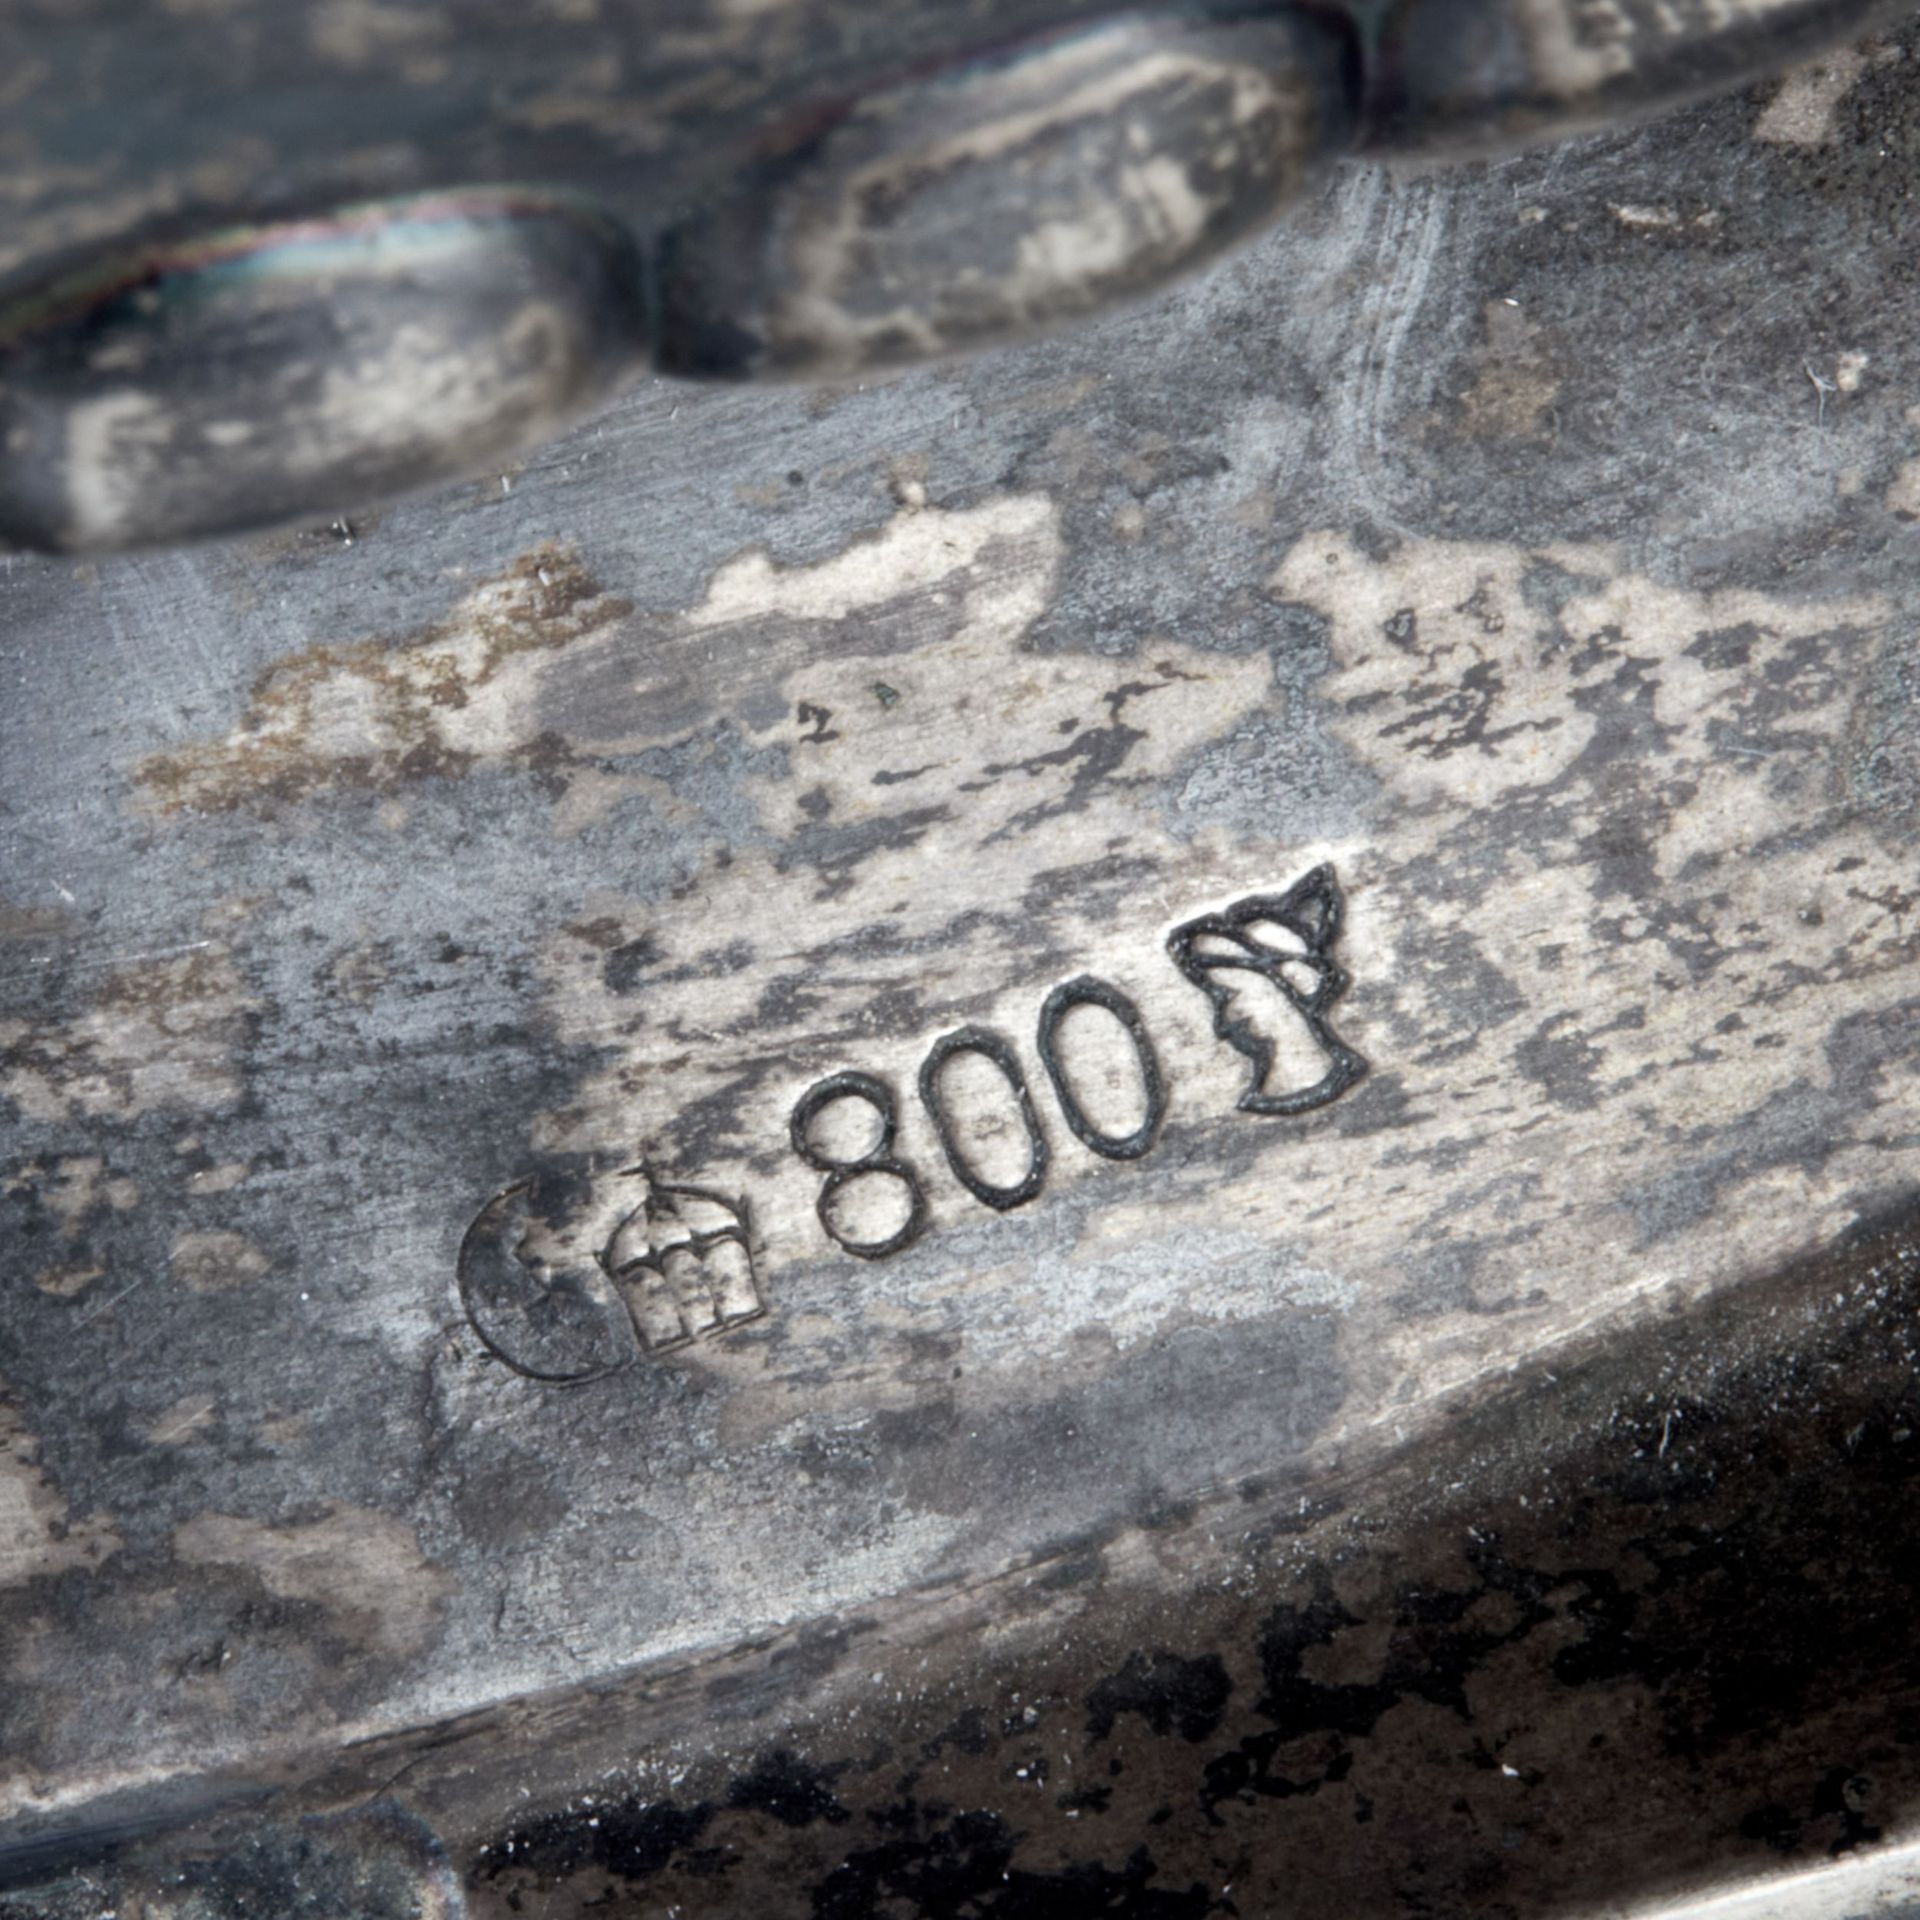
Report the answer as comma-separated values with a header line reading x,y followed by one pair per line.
x,y
1469,998
374,1863
1169,1693
1095,757
1432,1650
1841,1799
962,1869
630,1839
836,852
1423,1658
1445,720
1220,1404
794,1793
627,964
1560,1061
968,1733
401,695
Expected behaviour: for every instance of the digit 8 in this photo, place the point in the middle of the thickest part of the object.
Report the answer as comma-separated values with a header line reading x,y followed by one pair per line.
x,y
880,1158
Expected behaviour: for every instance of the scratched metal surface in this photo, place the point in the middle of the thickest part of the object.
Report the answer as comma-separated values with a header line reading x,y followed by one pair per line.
x,y
1531,548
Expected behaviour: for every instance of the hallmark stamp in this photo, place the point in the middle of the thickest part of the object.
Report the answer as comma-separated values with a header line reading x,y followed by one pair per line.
x,y
1089,992
566,1278
876,1163
683,1261
1266,965
1001,1196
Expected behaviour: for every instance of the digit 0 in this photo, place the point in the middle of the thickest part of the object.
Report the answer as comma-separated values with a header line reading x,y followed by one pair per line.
x,y
879,1161
990,1047
1089,992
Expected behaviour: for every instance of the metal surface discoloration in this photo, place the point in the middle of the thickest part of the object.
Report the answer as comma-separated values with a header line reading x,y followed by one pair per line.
x,y
1524,1665
1471,74
164,1032
364,1567
243,378
1032,185
370,1864
1806,110
1406,1693
369,714
330,252
209,1262
843,721
38,1536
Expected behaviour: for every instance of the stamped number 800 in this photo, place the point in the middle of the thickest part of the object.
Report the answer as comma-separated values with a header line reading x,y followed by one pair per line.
x,y
881,1160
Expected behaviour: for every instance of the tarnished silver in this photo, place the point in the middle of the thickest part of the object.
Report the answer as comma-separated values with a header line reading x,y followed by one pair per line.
x,y
248,378
215,315
1463,76
1403,762
1008,194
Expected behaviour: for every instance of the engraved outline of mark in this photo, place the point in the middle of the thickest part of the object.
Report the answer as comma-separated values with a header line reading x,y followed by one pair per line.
x,y
1311,910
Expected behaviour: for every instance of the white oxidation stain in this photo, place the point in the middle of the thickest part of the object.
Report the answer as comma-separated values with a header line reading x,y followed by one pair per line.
x,y
464,693
400,401
1804,113
366,1569
410,397
39,1537
116,449
1150,210
1581,45
164,1033
1903,496
920,551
